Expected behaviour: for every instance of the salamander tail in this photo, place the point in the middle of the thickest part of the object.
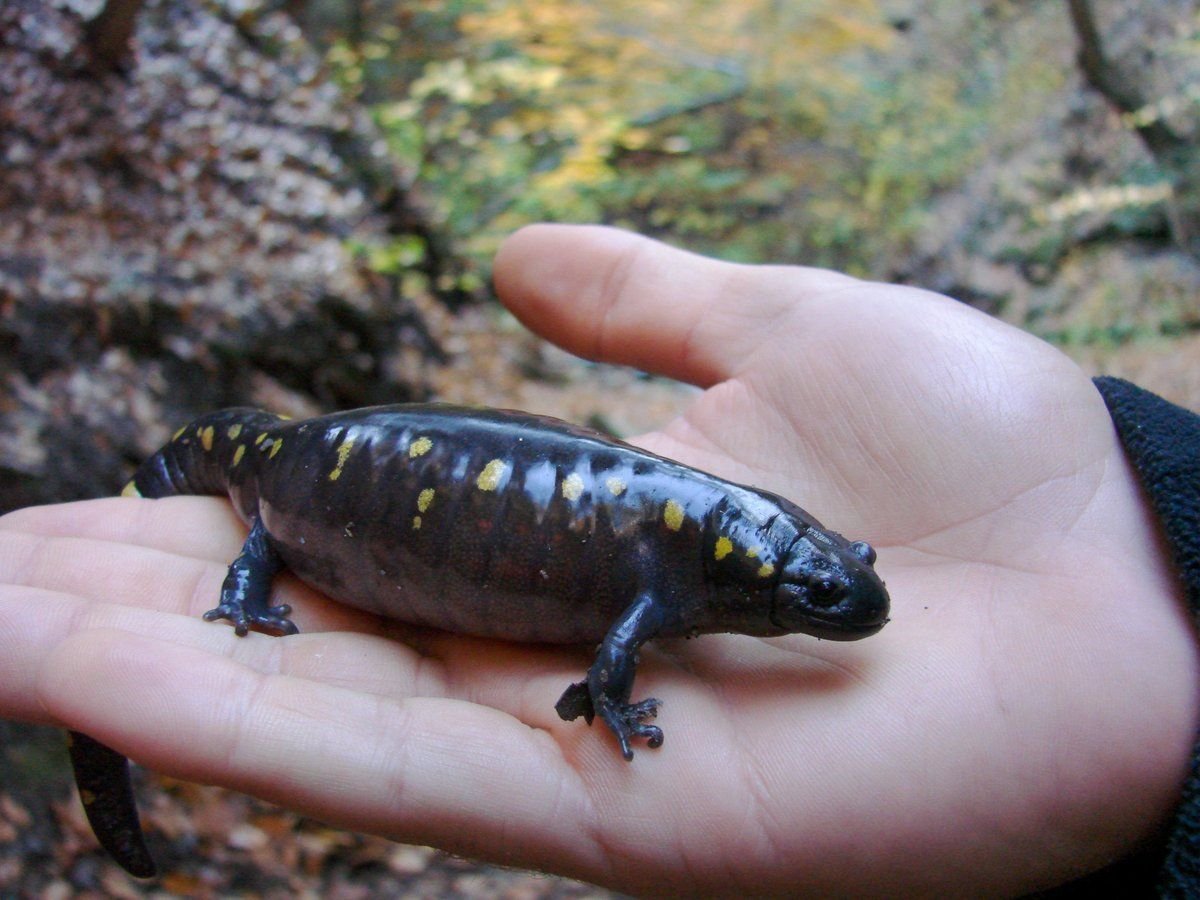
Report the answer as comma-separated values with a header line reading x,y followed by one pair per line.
x,y
201,455
102,776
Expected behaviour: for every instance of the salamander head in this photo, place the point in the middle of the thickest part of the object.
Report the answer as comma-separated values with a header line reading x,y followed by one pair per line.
x,y
828,588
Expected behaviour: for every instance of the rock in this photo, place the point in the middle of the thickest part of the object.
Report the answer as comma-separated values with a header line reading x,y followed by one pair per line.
x,y
179,233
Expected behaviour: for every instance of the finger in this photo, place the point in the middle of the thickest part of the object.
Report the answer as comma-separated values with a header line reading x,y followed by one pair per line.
x,y
108,571
105,571
203,528
33,622
524,681
90,583
460,775
615,296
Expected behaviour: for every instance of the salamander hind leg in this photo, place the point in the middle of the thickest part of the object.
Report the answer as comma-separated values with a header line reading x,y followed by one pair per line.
x,y
246,592
609,684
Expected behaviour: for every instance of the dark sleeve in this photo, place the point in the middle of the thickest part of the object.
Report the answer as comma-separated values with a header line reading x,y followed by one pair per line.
x,y
1162,441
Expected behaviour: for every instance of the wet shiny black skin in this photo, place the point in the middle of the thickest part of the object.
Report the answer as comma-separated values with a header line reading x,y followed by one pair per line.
x,y
505,525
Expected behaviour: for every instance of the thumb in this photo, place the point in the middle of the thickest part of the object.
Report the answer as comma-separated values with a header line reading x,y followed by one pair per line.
x,y
618,297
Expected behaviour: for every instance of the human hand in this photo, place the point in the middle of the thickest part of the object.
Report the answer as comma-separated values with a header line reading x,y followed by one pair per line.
x,y
1026,716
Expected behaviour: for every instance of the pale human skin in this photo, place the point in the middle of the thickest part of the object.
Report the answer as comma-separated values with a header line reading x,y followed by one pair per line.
x,y
1026,716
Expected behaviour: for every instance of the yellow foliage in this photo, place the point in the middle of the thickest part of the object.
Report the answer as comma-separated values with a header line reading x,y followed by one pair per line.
x,y
611,51
570,108
1104,199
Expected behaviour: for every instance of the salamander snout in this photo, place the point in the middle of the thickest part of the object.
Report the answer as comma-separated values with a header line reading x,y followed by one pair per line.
x,y
832,595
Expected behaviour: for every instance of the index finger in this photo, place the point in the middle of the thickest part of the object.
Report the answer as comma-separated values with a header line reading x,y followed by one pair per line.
x,y
615,296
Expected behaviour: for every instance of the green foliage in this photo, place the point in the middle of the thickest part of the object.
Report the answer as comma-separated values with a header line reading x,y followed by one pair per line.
x,y
394,258
805,130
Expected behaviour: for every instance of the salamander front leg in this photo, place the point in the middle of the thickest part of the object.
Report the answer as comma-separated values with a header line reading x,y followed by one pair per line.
x,y
246,593
610,680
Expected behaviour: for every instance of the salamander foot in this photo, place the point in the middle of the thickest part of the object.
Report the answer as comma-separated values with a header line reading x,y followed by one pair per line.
x,y
624,719
271,620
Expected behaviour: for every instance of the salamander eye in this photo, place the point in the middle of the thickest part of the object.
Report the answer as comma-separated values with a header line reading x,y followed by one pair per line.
x,y
863,551
825,591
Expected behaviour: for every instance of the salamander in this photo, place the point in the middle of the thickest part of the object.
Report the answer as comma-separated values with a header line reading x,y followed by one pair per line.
x,y
498,524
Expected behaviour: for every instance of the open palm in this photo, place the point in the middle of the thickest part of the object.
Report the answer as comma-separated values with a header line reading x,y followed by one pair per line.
x,y
1026,716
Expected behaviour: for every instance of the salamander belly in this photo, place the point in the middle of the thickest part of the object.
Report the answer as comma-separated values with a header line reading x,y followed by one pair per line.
x,y
483,533
489,583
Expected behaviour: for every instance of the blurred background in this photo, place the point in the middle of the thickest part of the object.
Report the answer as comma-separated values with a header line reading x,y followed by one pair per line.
x,y
294,203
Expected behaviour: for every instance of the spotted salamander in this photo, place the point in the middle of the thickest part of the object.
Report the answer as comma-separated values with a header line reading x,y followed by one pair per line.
x,y
498,524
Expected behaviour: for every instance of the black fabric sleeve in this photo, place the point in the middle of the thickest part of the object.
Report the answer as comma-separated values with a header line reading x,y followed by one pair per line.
x,y
1162,441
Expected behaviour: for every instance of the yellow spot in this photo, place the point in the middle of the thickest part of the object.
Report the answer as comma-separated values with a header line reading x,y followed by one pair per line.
x,y
419,447
489,478
234,431
765,570
572,486
416,523
87,797
130,490
724,547
343,454
206,437
615,486
258,440
239,453
753,552
423,500
275,448
179,433
673,515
